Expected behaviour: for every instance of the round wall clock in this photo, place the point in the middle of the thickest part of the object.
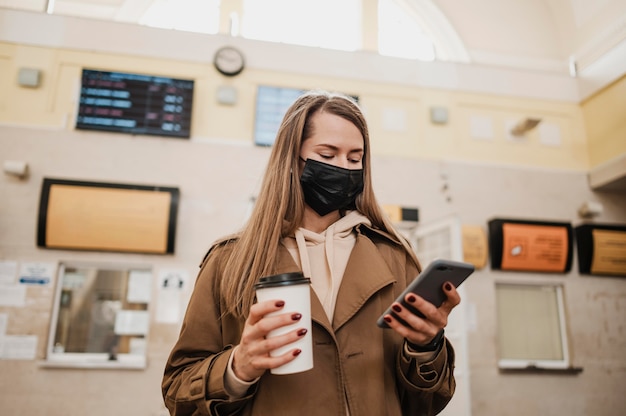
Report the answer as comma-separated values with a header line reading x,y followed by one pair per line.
x,y
229,61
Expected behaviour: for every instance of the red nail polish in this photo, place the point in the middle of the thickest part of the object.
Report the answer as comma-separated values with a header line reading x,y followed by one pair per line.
x,y
296,353
448,286
411,298
296,317
396,308
387,319
302,332
279,304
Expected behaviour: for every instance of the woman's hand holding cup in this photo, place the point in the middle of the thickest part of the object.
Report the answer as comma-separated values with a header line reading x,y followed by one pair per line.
x,y
252,356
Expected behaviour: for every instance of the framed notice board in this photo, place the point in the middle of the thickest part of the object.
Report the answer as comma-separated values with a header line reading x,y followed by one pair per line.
x,y
601,249
533,246
96,216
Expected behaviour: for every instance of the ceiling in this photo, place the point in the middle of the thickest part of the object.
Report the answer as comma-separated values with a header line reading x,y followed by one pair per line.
x,y
546,35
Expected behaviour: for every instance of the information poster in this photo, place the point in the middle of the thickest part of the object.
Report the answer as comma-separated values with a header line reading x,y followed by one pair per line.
x,y
474,245
609,249
601,249
533,246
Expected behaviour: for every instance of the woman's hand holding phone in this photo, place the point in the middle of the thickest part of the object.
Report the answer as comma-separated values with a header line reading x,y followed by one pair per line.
x,y
422,310
420,330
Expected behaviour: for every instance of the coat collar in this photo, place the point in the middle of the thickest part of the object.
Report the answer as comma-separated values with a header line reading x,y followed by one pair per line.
x,y
365,274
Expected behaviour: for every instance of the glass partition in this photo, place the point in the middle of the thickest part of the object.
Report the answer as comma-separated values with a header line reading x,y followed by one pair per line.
x,y
100,316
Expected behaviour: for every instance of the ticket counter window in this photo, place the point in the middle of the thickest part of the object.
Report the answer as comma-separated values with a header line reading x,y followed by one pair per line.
x,y
100,317
531,326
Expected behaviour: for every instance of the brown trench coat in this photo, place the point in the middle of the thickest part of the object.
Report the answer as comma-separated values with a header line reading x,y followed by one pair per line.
x,y
357,366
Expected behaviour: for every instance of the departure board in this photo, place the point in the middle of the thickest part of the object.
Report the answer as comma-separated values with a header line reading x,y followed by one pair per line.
x,y
135,104
271,105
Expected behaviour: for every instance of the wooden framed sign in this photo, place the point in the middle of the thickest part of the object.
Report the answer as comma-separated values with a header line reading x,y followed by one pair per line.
x,y
601,249
79,215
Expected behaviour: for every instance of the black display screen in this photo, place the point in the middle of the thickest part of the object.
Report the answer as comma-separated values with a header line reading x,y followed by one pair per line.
x,y
135,104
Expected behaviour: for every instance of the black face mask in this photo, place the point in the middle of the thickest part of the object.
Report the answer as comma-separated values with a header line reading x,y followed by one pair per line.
x,y
328,188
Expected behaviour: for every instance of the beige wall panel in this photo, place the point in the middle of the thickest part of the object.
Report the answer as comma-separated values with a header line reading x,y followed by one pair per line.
x,y
54,104
529,149
605,118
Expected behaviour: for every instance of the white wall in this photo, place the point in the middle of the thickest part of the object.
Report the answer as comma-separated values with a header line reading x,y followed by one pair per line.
x,y
216,181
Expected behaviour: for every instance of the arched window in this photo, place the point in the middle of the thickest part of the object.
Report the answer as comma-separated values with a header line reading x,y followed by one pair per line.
x,y
399,33
413,29
328,24
190,15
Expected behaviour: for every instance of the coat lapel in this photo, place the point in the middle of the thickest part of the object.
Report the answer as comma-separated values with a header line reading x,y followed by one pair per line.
x,y
286,264
366,273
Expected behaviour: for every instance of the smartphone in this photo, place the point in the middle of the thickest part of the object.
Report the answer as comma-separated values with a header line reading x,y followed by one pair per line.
x,y
429,284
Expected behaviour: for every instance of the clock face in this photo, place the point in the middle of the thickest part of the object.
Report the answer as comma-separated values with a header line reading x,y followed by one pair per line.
x,y
229,61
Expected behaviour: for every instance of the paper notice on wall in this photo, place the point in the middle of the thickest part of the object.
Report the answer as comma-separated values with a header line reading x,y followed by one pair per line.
x,y
137,346
132,322
549,134
12,295
394,119
36,273
609,252
539,248
139,286
170,297
475,248
8,270
18,347
4,319
481,128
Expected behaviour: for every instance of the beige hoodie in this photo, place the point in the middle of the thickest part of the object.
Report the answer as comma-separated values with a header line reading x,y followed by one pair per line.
x,y
323,257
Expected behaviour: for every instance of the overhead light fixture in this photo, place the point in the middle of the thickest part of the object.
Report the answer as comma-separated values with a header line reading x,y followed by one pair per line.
x,y
525,126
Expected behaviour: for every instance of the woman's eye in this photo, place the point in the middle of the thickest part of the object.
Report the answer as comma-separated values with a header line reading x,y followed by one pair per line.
x,y
326,156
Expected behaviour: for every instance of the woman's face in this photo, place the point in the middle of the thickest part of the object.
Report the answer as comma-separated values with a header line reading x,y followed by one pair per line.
x,y
335,141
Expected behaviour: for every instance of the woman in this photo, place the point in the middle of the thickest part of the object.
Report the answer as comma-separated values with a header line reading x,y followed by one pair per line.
x,y
316,213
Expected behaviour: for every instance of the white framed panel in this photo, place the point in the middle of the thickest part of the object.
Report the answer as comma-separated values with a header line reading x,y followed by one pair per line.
x,y
442,239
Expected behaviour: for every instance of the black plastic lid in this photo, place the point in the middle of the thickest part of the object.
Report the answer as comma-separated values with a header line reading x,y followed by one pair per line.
x,y
283,279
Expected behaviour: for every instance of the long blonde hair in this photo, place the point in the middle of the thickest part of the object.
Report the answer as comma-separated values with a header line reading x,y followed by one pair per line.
x,y
279,208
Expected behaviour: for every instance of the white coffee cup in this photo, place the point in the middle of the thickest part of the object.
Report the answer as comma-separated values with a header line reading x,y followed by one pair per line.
x,y
294,289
